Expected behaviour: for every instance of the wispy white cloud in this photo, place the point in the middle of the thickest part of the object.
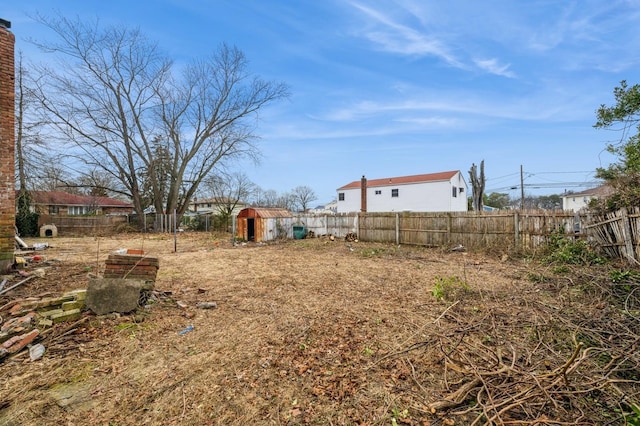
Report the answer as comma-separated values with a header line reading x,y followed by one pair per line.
x,y
430,122
493,67
455,105
395,37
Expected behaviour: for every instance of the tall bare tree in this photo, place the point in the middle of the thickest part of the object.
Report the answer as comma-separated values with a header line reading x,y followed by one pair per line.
x,y
96,183
229,190
30,147
265,198
477,184
51,178
303,196
117,99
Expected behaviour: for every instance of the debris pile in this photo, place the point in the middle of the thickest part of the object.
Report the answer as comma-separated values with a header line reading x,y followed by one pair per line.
x,y
128,281
351,237
28,317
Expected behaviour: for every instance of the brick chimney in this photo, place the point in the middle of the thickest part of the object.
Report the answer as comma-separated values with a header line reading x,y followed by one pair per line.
x,y
7,142
363,194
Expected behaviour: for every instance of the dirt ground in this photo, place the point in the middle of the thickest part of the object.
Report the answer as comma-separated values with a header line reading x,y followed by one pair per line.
x,y
326,332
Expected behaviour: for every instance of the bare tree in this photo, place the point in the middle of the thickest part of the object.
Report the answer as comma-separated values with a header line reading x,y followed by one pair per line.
x,y
271,198
265,198
51,177
118,101
97,183
477,183
286,201
228,190
30,148
302,196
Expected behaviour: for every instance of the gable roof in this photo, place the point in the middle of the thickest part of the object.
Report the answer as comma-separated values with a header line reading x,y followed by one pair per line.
x,y
598,191
59,198
403,180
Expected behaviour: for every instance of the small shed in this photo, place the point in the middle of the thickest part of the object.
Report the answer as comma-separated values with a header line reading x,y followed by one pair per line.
x,y
264,224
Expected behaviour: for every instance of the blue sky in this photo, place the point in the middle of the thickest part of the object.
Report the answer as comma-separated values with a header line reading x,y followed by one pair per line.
x,y
392,88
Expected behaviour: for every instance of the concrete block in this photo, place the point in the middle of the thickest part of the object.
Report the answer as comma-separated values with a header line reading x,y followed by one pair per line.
x,y
47,314
106,295
76,304
45,322
79,294
71,315
46,303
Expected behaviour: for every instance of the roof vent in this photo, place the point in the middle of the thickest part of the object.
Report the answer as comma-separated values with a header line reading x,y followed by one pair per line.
x,y
5,24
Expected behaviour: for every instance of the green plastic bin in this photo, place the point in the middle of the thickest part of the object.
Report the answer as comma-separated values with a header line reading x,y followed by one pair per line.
x,y
299,232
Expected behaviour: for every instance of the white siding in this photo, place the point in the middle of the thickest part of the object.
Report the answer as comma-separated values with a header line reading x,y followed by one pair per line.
x,y
351,202
435,196
277,227
575,203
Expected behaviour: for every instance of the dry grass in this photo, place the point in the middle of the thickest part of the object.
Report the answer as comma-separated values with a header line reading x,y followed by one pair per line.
x,y
327,333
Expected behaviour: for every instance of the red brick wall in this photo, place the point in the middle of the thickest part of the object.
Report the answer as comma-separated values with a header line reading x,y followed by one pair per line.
x,y
7,149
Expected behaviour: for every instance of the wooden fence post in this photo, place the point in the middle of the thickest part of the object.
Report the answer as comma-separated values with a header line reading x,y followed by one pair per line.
x,y
516,230
397,228
628,236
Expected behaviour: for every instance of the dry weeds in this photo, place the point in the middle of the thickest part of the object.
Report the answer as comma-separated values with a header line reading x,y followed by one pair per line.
x,y
329,333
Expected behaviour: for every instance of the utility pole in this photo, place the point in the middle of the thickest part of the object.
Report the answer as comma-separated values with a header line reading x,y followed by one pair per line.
x,y
521,188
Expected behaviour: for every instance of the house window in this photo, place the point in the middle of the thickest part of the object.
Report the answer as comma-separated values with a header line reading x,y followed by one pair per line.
x,y
461,190
394,192
340,196
54,209
378,191
454,191
75,210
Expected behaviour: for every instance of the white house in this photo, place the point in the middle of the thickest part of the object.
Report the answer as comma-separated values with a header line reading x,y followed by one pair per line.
x,y
215,205
329,208
580,200
433,192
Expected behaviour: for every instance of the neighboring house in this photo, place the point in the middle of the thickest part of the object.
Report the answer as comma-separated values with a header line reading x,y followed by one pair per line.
x,y
58,203
332,206
433,192
329,208
580,200
215,205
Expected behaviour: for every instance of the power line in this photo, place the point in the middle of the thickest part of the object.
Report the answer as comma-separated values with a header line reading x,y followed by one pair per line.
x,y
548,185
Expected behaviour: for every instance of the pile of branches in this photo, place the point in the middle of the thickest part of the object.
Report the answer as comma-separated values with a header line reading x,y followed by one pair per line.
x,y
523,361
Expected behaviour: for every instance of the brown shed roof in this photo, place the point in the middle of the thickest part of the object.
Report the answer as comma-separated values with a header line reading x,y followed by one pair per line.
x,y
402,180
264,212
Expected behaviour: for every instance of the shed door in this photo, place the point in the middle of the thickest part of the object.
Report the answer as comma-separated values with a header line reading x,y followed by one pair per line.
x,y
251,229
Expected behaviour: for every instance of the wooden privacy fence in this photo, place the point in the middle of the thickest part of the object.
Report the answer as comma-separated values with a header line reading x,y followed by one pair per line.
x,y
506,229
335,224
617,233
83,225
